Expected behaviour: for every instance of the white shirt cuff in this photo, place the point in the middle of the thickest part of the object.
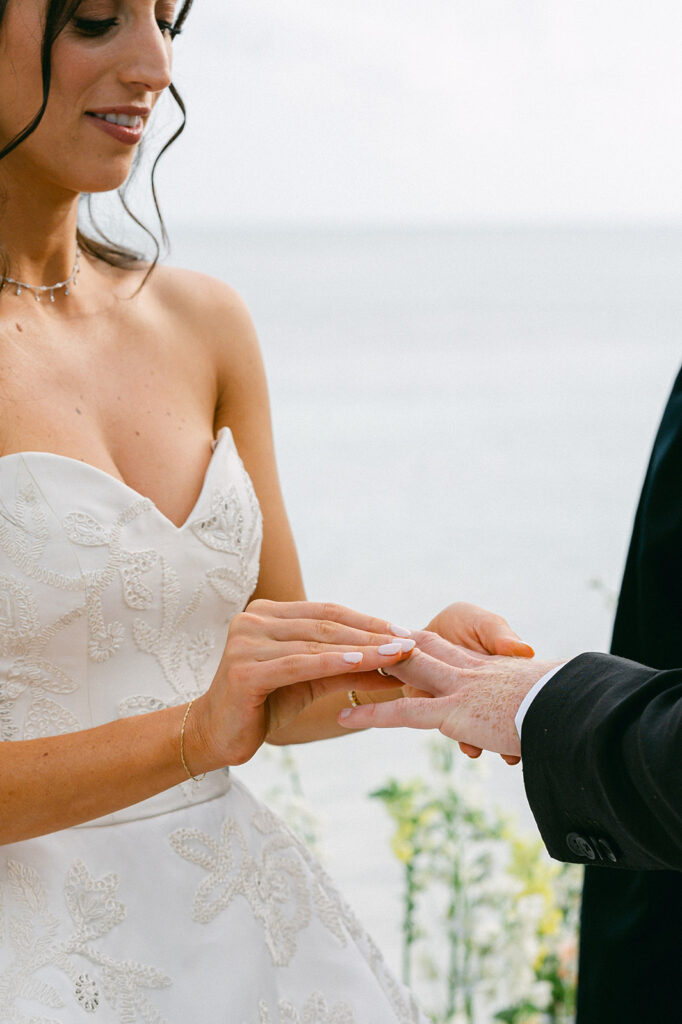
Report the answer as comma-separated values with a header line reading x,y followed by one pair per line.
x,y
532,694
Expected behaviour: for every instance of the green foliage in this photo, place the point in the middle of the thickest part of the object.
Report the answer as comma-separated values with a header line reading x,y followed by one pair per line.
x,y
487,916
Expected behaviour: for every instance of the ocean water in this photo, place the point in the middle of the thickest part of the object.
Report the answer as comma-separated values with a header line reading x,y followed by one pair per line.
x,y
459,414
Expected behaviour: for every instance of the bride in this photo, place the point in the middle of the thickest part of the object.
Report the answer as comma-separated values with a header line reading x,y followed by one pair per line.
x,y
139,881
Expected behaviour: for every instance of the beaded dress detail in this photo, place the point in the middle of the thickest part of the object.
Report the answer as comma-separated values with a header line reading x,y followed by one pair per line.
x,y
199,904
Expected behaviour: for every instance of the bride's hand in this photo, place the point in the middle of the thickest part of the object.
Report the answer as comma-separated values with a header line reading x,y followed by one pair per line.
x,y
279,658
479,630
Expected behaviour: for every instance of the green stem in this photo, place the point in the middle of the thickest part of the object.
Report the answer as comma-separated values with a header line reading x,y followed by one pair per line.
x,y
454,972
408,922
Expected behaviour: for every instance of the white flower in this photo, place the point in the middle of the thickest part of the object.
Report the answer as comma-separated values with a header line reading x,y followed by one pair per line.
x,y
540,994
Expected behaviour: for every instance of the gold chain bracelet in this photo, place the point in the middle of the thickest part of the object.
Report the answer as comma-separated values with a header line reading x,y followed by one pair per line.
x,y
194,778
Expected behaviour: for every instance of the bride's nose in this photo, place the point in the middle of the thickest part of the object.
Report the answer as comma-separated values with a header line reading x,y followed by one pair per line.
x,y
146,59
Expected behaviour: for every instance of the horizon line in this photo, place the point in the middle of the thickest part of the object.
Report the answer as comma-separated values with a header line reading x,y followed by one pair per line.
x,y
582,223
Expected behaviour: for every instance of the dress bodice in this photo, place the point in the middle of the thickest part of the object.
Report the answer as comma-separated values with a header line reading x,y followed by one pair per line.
x,y
107,608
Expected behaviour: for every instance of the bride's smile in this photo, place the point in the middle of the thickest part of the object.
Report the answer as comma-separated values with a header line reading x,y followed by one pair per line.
x,y
109,65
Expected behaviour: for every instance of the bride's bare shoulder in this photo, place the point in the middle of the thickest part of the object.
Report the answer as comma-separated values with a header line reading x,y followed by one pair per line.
x,y
198,299
210,315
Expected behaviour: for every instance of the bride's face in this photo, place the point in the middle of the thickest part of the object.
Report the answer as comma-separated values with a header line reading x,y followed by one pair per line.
x,y
113,57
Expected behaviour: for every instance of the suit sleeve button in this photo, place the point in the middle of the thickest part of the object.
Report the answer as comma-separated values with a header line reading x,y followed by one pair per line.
x,y
607,851
580,846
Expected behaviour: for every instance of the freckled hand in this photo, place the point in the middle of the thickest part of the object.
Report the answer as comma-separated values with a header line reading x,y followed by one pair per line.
x,y
473,697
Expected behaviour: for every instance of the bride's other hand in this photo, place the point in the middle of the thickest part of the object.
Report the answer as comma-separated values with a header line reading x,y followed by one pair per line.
x,y
278,659
479,630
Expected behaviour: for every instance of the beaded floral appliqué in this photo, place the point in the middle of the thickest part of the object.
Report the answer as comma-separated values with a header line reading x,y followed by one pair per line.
x,y
237,530
37,940
109,577
273,883
284,885
315,1011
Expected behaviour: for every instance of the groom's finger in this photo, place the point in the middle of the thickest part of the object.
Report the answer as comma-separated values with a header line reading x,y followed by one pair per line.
x,y
431,675
497,637
447,652
417,713
470,750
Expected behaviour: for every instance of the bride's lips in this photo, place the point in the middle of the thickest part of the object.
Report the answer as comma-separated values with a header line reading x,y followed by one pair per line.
x,y
129,135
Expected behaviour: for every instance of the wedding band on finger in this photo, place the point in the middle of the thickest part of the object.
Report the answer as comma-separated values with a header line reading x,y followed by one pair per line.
x,y
383,672
353,698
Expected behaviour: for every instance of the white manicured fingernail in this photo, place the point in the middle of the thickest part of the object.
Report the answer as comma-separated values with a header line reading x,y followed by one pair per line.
x,y
353,657
407,645
390,648
345,713
400,631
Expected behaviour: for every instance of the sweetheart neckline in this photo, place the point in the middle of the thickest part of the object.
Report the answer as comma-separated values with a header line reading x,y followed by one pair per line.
x,y
222,433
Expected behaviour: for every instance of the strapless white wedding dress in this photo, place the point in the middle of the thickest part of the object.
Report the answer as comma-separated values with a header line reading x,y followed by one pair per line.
x,y
197,906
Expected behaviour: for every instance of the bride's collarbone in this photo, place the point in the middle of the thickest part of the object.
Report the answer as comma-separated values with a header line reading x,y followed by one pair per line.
x,y
103,381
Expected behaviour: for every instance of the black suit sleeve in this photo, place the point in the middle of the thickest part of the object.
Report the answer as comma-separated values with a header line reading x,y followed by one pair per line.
x,y
602,764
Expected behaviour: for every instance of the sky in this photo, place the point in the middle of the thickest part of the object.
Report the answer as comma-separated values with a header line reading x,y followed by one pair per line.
x,y
393,111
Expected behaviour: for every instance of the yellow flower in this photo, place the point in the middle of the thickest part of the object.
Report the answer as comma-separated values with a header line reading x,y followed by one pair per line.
x,y
540,958
550,922
403,850
402,842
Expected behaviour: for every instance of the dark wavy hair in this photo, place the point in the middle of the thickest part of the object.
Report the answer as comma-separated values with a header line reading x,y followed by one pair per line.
x,y
58,15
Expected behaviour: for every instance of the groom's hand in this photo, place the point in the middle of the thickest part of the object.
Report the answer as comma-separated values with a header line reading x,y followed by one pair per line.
x,y
473,698
479,630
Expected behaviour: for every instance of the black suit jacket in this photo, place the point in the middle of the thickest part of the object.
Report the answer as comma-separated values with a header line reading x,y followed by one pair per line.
x,y
602,748
602,754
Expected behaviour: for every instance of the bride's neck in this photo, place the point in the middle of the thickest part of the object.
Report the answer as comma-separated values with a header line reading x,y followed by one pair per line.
x,y
38,233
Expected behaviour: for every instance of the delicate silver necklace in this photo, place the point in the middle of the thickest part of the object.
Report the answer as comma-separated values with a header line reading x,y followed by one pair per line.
x,y
40,289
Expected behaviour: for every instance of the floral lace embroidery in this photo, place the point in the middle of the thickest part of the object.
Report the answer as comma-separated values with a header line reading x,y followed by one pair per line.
x,y
32,934
235,530
82,528
23,535
170,644
273,883
139,704
283,885
104,639
30,517
45,717
134,565
18,615
315,1011
30,687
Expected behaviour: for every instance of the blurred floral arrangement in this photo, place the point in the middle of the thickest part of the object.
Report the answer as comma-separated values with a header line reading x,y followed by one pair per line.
x,y
489,921
487,916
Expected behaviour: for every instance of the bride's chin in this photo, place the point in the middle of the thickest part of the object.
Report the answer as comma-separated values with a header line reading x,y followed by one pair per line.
x,y
90,176
106,181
